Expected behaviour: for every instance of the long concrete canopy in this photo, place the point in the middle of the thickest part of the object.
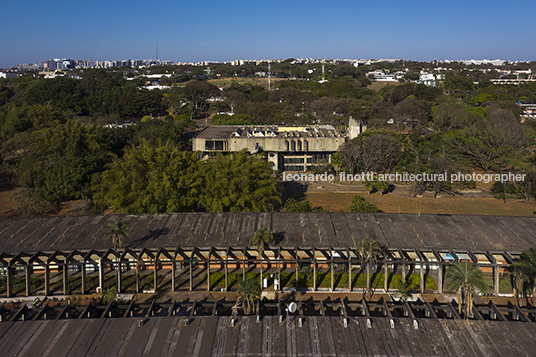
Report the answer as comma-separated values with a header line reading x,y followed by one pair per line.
x,y
188,230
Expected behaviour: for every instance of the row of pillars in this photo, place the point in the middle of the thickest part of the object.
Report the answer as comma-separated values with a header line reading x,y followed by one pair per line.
x,y
424,266
28,271
65,277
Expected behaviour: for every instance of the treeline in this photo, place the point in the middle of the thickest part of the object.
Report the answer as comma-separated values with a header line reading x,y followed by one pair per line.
x,y
459,138
53,139
58,148
97,93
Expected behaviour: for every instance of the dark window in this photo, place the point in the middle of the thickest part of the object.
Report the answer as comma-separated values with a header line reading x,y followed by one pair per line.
x,y
320,158
217,145
294,160
293,167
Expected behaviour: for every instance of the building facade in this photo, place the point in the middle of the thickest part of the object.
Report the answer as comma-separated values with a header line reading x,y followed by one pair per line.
x,y
288,148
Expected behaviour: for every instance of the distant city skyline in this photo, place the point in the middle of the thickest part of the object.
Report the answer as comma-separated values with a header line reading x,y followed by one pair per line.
x,y
225,31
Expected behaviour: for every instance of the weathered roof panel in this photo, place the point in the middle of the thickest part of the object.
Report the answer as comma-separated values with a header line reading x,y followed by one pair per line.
x,y
187,230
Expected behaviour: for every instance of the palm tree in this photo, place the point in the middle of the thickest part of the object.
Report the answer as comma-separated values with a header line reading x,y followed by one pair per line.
x,y
118,232
367,250
250,290
263,237
520,277
526,267
465,278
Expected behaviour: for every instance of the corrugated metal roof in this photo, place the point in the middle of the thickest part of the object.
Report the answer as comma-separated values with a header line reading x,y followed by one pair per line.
x,y
213,336
426,231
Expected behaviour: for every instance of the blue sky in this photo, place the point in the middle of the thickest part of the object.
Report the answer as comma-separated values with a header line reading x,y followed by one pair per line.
x,y
32,31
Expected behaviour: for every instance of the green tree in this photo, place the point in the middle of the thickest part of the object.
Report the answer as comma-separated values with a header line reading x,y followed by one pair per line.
x,y
377,185
262,238
197,93
466,279
63,92
405,287
60,161
337,160
367,251
360,205
376,152
118,232
250,290
499,142
458,83
520,278
293,205
237,182
525,270
30,201
149,179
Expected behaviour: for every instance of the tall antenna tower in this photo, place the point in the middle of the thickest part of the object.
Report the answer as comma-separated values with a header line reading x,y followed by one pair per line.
x,y
323,80
269,75
157,51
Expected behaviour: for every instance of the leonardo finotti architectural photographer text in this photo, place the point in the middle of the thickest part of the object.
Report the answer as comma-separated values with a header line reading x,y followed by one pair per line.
x,y
407,177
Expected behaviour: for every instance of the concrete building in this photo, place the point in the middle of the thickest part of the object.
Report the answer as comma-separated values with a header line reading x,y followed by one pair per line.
x,y
288,148
7,75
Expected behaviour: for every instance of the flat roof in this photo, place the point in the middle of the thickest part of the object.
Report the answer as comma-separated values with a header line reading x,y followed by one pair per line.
x,y
214,336
203,229
269,131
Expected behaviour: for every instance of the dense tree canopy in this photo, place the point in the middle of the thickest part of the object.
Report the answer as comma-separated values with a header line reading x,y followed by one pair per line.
x,y
55,143
149,179
237,183
157,178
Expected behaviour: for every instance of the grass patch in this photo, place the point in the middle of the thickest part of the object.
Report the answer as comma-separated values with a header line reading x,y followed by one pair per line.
x,y
218,279
92,282
323,280
392,203
505,285
19,285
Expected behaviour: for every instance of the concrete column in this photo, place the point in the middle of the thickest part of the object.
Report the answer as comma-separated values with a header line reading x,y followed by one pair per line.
x,y
297,270
422,277
155,274
9,282
385,275
368,276
349,273
280,288
440,278
226,272
101,275
244,266
173,262
314,273
496,280
47,279
65,277
191,278
208,273
331,271
28,280
83,278
119,285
